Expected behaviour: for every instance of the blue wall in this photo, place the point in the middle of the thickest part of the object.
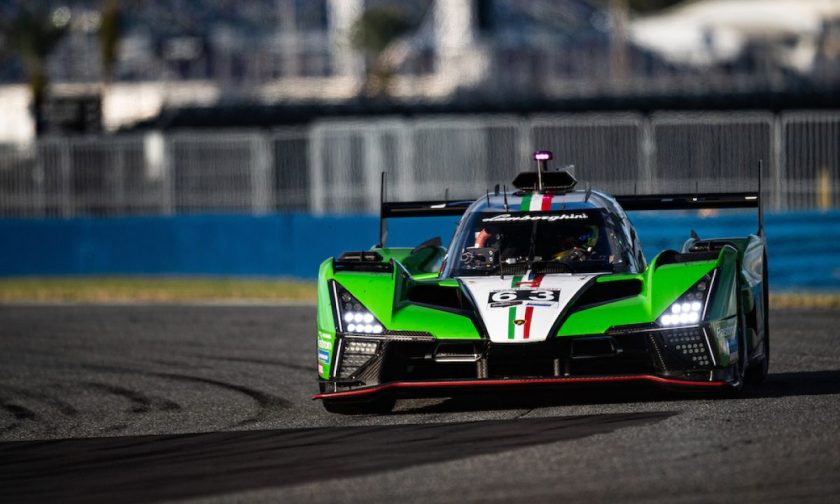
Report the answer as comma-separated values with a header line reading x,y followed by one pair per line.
x,y
804,247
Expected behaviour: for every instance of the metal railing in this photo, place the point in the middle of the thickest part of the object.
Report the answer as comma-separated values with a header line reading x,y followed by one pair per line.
x,y
334,166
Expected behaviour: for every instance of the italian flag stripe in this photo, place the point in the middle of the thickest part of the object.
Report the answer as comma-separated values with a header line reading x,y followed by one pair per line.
x,y
529,311
536,202
512,310
546,202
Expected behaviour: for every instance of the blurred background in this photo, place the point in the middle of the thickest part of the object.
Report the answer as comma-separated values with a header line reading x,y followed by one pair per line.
x,y
227,139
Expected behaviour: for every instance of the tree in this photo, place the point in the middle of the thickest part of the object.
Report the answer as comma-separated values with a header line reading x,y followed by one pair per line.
x,y
371,34
33,35
110,30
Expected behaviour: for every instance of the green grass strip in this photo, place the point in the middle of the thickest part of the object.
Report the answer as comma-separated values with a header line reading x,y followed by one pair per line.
x,y
151,289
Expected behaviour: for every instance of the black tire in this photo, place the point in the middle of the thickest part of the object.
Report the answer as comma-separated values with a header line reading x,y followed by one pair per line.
x,y
379,406
758,369
737,383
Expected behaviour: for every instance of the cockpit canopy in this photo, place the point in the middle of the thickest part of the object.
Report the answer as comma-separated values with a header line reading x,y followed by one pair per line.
x,y
493,242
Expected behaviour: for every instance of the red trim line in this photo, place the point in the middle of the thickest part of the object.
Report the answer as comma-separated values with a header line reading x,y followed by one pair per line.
x,y
545,205
525,381
529,313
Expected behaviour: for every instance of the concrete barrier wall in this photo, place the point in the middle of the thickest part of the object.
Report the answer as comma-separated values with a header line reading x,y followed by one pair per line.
x,y
804,247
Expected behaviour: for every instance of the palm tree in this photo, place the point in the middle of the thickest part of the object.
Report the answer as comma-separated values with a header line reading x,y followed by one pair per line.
x,y
371,34
33,35
110,30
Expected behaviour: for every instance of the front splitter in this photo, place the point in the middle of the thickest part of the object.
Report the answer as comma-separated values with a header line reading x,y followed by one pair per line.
x,y
517,382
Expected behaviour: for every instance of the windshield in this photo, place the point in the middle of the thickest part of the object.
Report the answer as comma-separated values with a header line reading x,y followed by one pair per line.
x,y
493,243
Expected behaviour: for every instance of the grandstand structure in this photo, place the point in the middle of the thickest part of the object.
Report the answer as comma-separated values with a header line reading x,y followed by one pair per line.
x,y
209,52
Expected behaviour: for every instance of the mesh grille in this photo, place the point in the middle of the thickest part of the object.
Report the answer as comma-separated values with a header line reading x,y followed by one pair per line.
x,y
356,354
683,349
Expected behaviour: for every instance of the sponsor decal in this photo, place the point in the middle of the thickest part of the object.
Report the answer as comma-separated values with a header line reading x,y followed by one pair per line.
x,y
733,350
326,345
505,304
726,336
320,368
324,356
536,217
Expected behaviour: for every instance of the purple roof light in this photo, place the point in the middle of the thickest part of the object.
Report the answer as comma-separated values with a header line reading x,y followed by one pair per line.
x,y
543,155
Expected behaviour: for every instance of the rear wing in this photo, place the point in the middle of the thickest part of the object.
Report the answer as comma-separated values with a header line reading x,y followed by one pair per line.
x,y
688,201
681,201
391,209
396,209
699,201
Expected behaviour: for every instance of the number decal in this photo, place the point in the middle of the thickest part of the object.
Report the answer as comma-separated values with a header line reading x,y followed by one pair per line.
x,y
537,295
502,296
543,295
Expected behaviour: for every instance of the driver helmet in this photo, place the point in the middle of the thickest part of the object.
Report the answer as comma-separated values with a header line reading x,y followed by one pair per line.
x,y
584,238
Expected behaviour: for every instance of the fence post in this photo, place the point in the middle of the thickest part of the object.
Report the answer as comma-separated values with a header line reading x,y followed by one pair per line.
x,y
524,141
38,176
402,179
777,164
119,183
67,196
167,176
647,145
373,165
260,167
316,169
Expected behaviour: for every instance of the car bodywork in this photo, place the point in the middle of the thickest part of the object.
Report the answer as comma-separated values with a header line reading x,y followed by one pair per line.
x,y
414,321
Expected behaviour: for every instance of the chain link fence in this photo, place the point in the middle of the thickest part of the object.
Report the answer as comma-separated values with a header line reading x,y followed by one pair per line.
x,y
335,166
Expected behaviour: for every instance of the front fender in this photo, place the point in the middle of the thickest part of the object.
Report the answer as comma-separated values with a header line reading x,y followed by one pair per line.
x,y
663,282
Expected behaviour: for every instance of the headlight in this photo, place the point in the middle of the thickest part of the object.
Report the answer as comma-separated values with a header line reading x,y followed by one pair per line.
x,y
690,308
353,317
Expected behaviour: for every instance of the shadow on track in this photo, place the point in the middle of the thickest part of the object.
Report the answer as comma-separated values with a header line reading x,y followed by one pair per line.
x,y
798,383
151,468
777,385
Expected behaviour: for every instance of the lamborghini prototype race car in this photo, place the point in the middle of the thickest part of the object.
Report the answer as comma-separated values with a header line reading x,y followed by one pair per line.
x,y
542,286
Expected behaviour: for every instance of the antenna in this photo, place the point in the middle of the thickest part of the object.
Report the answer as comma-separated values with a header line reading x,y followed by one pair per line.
x,y
487,193
542,158
505,196
496,190
383,225
446,194
588,192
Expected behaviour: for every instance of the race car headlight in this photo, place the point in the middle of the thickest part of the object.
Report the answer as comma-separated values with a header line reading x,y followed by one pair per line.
x,y
690,308
353,317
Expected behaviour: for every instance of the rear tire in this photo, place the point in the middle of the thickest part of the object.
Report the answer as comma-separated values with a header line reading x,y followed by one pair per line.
x,y
758,370
379,406
741,367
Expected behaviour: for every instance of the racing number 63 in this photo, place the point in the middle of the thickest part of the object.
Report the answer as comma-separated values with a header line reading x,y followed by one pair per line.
x,y
524,295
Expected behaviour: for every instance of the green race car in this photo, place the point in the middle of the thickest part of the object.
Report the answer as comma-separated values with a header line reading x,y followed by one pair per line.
x,y
543,286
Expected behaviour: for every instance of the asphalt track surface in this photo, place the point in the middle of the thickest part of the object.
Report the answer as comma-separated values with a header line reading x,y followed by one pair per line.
x,y
158,403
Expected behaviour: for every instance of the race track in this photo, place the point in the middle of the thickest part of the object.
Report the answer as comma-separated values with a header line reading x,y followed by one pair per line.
x,y
212,403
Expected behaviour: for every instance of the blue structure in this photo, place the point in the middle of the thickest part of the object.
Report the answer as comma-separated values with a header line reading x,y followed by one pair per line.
x,y
804,247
